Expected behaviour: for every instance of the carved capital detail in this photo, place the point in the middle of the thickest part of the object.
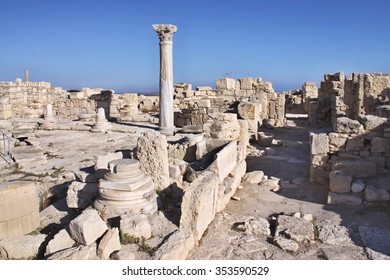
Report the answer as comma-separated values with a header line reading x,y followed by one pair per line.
x,y
165,31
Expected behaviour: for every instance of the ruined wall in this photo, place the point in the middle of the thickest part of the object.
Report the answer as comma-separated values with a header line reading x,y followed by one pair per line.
x,y
195,106
351,96
350,154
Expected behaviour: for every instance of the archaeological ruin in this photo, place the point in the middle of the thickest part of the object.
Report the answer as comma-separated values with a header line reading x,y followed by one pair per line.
x,y
231,171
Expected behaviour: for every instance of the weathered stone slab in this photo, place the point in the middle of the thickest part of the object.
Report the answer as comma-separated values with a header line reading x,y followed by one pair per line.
x,y
23,247
371,122
372,194
87,227
152,152
177,247
379,145
344,199
357,168
296,229
61,241
224,161
199,204
109,244
333,234
340,181
347,125
264,139
286,244
19,208
226,83
319,143
78,253
258,226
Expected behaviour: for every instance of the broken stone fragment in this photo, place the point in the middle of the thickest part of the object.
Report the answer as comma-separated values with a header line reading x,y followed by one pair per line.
x,y
109,244
23,247
253,177
295,228
333,234
87,227
372,194
286,244
61,241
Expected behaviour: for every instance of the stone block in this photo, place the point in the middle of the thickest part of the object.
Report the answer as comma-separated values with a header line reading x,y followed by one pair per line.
x,y
224,161
347,125
226,83
87,227
319,143
344,199
246,83
264,139
285,244
152,152
25,247
376,194
357,168
177,247
358,186
295,228
109,244
19,208
333,234
136,225
199,204
340,181
371,122
253,177
81,195
379,145
77,253
337,141
60,241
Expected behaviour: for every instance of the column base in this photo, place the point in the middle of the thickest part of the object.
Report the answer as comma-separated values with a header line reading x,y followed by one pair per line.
x,y
167,131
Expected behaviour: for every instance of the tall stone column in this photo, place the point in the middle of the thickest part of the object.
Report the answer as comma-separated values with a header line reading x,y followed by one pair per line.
x,y
165,33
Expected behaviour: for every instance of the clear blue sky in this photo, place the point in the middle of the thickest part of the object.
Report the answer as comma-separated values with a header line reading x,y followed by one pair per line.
x,y
111,44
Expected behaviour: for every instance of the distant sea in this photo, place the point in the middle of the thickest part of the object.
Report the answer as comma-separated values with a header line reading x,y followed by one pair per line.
x,y
148,93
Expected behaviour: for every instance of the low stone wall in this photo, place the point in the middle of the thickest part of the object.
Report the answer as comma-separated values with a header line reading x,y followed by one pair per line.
x,y
351,154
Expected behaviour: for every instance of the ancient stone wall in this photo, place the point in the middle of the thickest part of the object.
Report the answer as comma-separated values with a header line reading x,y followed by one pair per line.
x,y
351,96
354,153
195,106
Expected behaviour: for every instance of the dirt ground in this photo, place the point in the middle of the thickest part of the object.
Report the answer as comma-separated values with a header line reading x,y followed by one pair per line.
x,y
368,227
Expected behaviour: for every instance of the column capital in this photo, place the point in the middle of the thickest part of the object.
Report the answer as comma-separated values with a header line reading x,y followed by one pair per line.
x,y
165,31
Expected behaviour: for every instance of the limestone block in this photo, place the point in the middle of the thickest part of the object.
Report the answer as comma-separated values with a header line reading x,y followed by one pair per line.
x,y
344,199
253,177
333,234
199,204
319,143
78,253
264,139
347,125
204,88
376,194
355,144
297,229
19,208
23,247
61,241
101,161
357,168
337,141
286,244
174,171
371,122
379,145
109,244
177,247
87,227
81,195
152,152
246,83
224,161
340,181
258,226
136,225
226,83
358,186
